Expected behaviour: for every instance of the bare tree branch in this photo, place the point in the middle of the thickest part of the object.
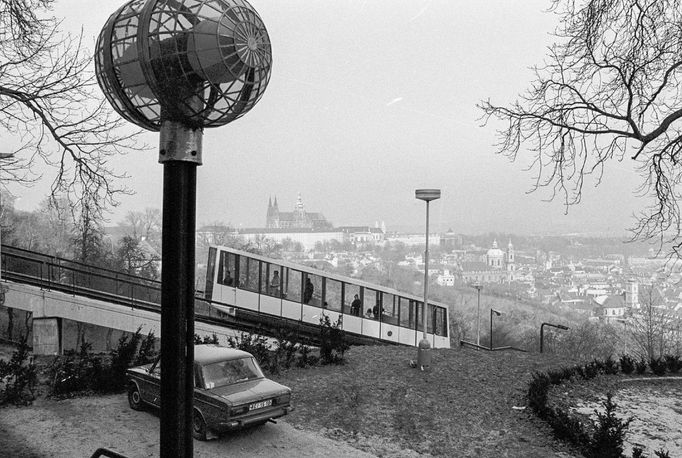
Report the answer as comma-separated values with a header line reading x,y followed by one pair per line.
x,y
610,90
52,110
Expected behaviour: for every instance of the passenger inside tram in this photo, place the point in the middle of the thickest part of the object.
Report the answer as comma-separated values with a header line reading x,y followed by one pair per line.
x,y
227,279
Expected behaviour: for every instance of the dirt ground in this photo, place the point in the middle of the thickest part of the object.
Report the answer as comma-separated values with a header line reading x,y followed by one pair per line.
x,y
656,413
76,427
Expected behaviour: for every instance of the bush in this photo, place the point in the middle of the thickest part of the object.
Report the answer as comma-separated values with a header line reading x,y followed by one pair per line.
x,y
640,366
212,339
305,358
537,393
673,363
591,370
627,364
658,366
333,343
610,366
18,376
79,371
607,441
255,344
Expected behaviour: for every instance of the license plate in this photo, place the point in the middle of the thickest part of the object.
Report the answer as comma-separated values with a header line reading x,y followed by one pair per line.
x,y
260,405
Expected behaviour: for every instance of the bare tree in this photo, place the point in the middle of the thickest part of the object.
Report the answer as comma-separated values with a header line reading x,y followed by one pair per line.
x,y
609,90
53,110
652,327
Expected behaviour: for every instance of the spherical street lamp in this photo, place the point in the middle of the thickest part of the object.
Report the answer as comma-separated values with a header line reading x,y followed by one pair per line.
x,y
177,67
423,350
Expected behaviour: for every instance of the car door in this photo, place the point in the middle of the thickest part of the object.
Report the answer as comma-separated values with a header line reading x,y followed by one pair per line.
x,y
151,392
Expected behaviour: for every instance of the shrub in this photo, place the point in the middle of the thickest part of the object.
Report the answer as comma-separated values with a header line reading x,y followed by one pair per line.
x,y
556,377
255,344
333,343
567,428
673,363
78,371
627,364
18,376
212,339
610,366
658,366
305,358
640,366
607,441
537,393
591,370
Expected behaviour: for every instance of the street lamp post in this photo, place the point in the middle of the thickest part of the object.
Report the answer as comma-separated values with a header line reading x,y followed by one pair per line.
x,y
423,353
478,287
542,331
491,326
180,67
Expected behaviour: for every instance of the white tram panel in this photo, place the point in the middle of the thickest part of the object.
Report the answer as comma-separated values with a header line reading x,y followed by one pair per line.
x,y
390,332
270,305
292,310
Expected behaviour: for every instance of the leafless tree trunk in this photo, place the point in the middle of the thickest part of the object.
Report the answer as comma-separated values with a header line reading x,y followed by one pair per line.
x,y
609,91
651,325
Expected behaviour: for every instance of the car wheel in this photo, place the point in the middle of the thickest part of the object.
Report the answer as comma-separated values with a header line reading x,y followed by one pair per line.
x,y
135,398
198,426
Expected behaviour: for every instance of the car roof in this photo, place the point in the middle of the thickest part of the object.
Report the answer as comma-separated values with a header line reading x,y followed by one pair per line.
x,y
211,353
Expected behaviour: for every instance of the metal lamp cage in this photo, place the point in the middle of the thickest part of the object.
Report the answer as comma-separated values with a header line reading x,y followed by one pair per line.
x,y
203,63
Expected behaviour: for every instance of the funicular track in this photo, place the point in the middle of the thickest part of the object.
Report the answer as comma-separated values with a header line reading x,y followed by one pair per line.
x,y
71,277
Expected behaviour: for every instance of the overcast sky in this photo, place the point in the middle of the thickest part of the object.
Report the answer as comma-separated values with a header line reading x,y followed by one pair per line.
x,y
369,100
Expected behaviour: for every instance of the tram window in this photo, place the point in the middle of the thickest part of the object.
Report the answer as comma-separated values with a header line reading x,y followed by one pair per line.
x,y
372,303
292,285
390,312
419,306
312,289
270,279
227,268
350,291
248,273
406,315
441,328
332,294
431,317
274,282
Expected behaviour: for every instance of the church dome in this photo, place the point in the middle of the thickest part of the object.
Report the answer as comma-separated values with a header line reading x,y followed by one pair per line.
x,y
495,252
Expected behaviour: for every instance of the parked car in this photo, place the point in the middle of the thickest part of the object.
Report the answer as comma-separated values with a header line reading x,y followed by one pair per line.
x,y
230,391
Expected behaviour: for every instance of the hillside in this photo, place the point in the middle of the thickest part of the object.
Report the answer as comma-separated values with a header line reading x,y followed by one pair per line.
x,y
463,406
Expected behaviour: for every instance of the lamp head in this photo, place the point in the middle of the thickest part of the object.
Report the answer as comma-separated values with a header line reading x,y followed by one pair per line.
x,y
427,195
561,326
495,312
203,63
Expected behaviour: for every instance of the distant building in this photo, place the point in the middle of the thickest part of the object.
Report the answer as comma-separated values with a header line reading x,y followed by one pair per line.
x,y
610,308
499,266
450,241
297,219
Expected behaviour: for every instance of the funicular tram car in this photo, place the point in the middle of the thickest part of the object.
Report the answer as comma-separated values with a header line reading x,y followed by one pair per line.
x,y
236,278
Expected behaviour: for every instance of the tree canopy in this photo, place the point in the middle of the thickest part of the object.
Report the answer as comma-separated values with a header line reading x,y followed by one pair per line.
x,y
609,90
52,113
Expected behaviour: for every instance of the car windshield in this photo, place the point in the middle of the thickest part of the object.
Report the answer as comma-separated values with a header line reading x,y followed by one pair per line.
x,y
228,372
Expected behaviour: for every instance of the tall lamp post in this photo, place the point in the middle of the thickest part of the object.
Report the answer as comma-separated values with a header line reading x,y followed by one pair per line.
x,y
478,287
491,326
178,67
423,350
542,331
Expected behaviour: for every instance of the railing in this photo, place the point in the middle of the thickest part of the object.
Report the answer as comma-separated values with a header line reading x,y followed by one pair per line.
x,y
76,278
